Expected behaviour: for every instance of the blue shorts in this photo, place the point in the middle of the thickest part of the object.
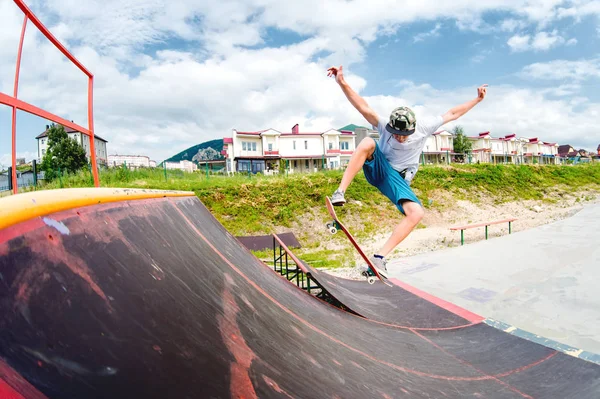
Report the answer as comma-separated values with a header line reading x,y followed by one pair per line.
x,y
380,174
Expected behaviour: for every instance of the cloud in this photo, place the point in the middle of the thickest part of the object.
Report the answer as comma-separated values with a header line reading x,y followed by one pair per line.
x,y
435,32
542,41
6,159
169,75
563,70
511,25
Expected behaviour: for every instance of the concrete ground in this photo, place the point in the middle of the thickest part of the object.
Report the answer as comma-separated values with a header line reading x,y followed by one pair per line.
x,y
545,280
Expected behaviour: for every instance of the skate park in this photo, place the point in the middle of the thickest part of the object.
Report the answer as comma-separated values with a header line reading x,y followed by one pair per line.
x,y
130,293
143,293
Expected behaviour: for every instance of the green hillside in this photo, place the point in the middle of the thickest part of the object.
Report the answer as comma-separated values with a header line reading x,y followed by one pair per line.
x,y
188,154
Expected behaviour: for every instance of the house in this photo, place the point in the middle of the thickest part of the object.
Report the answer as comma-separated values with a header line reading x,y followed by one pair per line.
x,y
82,139
598,149
268,150
488,149
566,150
186,166
131,161
438,148
361,132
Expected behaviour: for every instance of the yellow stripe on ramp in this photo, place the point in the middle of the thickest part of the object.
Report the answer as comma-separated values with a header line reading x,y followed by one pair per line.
x,y
21,207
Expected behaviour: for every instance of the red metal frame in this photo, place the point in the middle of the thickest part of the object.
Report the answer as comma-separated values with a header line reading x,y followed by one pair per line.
x,y
15,103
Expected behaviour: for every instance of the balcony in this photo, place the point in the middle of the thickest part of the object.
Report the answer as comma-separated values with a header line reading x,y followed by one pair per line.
x,y
272,153
334,151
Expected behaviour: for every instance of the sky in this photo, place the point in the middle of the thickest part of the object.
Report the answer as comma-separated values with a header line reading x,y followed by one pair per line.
x,y
172,74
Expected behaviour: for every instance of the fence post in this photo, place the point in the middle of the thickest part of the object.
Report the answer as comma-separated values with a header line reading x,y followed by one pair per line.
x,y
10,180
165,168
91,173
35,178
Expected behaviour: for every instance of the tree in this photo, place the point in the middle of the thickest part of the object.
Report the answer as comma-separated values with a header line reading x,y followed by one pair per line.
x,y
462,145
64,154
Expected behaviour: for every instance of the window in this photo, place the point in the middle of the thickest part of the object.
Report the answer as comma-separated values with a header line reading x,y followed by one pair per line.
x,y
254,146
270,147
295,162
243,145
294,144
306,145
43,152
43,141
330,145
344,145
306,164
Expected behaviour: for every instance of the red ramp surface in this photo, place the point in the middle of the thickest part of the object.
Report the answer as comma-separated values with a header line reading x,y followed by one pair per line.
x,y
153,298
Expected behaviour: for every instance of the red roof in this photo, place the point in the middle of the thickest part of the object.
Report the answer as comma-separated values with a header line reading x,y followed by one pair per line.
x,y
228,140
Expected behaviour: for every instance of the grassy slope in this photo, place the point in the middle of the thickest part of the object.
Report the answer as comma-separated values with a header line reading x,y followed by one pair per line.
x,y
263,205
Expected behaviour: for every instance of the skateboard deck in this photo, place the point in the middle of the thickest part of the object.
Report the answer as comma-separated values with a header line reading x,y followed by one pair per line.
x,y
337,225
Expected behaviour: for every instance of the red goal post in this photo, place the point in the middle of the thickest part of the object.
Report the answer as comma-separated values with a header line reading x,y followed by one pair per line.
x,y
16,104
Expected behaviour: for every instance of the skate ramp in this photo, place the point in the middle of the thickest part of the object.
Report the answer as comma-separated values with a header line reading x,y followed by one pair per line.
x,y
108,293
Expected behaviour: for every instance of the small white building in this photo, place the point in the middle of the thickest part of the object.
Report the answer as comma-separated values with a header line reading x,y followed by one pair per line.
x,y
186,166
132,161
438,148
82,139
264,151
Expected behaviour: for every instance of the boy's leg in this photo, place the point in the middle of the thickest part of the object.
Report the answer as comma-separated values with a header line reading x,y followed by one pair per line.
x,y
363,152
414,213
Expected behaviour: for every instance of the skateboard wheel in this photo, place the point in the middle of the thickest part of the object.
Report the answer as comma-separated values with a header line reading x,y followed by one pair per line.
x,y
331,228
371,279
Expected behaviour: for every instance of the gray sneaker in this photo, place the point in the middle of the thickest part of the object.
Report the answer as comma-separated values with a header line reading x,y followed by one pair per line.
x,y
380,265
337,199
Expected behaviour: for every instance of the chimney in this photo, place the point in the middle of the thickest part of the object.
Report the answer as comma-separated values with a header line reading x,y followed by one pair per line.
x,y
295,129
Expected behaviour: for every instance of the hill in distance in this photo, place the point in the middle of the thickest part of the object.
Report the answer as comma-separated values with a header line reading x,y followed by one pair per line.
x,y
209,150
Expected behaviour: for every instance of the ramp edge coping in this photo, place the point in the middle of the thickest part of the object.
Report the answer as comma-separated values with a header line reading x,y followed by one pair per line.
x,y
22,207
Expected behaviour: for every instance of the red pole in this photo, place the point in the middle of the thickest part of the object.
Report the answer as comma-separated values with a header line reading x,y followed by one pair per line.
x,y
91,128
14,110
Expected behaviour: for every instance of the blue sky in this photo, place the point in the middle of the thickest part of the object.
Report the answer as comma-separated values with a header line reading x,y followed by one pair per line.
x,y
169,75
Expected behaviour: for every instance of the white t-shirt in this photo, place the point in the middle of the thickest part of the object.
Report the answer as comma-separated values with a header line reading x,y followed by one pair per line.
x,y
406,155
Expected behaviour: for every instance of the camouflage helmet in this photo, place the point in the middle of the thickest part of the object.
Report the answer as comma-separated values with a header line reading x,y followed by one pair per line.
x,y
402,121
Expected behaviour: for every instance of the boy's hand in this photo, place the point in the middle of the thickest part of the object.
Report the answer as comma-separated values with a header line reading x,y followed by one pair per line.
x,y
481,92
337,72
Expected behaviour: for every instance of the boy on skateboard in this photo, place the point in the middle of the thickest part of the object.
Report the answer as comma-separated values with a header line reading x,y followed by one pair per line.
x,y
391,163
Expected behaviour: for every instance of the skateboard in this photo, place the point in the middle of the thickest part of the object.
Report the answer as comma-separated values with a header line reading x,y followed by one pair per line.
x,y
336,225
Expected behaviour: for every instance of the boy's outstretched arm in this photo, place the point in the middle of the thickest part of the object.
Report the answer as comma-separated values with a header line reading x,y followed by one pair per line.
x,y
357,101
460,110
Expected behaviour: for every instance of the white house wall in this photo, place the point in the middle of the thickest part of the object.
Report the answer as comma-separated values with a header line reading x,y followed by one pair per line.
x,y
304,146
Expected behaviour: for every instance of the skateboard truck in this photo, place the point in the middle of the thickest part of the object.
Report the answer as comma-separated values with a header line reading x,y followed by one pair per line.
x,y
333,227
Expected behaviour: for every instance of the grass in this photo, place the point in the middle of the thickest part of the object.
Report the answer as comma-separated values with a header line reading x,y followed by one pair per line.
x,y
256,205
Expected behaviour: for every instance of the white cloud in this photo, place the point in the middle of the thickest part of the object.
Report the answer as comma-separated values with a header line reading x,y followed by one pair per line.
x,y
542,41
563,70
169,75
435,32
519,43
6,159
511,25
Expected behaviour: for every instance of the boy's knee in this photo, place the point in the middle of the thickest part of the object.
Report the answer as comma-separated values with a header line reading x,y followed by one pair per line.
x,y
414,212
367,144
